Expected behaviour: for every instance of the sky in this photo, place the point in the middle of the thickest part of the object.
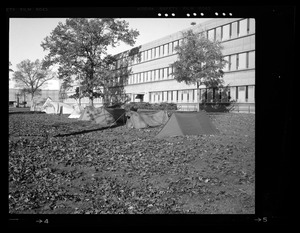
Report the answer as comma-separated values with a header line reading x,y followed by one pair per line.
x,y
26,35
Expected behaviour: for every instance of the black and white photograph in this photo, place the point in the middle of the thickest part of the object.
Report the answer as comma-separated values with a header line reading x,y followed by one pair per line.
x,y
142,116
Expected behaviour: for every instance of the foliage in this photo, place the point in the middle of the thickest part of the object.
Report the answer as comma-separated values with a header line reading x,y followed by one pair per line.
x,y
217,106
31,76
146,105
80,48
120,170
77,95
9,69
200,61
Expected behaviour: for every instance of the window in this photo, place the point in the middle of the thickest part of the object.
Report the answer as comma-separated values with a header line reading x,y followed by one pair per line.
x,y
156,52
161,71
234,30
140,77
250,94
144,77
161,48
149,54
133,78
152,53
135,58
251,59
218,33
165,72
175,43
152,74
242,61
149,75
251,25
170,72
166,49
233,63
226,32
226,67
142,56
243,27
211,34
180,42
157,74
170,48
236,93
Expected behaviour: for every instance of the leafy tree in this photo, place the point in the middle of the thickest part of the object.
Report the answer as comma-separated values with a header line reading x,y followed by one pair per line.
x,y
200,61
78,95
79,47
31,76
9,69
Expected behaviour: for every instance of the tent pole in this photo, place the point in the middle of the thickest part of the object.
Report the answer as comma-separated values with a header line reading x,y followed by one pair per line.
x,y
117,119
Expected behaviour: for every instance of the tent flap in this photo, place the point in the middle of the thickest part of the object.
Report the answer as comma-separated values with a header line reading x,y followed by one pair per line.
x,y
55,107
102,116
140,120
195,123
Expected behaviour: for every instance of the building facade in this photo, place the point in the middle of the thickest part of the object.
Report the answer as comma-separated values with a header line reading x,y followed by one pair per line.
x,y
151,80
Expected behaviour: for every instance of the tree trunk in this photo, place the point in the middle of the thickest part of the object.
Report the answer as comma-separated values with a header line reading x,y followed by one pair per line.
x,y
32,107
198,97
91,100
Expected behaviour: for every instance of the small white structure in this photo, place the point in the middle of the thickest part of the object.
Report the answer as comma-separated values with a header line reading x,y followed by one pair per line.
x,y
55,107
76,112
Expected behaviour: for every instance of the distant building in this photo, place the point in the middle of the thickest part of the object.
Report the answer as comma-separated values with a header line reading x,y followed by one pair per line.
x,y
151,79
15,94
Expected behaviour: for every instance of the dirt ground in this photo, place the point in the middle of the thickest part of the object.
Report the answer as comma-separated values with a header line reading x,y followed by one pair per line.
x,y
64,166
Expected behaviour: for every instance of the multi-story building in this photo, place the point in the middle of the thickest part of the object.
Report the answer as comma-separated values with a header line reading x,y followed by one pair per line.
x,y
151,79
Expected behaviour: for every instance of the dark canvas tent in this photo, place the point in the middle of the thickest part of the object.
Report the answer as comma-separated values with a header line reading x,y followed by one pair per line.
x,y
139,120
102,116
189,123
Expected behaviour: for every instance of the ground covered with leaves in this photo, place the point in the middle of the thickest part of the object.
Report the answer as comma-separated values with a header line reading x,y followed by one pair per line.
x,y
65,166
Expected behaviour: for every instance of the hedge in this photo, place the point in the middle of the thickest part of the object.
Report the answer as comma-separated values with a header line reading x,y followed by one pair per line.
x,y
134,106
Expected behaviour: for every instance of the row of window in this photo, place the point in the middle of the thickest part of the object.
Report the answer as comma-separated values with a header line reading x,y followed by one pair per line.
x,y
240,61
232,30
151,75
229,31
235,62
238,93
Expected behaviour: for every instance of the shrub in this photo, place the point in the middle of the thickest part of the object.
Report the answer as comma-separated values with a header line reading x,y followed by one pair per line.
x,y
217,106
134,106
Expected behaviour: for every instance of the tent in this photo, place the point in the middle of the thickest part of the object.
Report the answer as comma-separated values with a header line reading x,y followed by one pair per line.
x,y
55,107
139,120
102,116
76,112
188,123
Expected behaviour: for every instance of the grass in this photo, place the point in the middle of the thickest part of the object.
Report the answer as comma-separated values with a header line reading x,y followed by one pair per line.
x,y
119,170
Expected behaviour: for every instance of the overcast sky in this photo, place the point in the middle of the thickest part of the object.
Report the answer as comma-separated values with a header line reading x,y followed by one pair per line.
x,y
26,35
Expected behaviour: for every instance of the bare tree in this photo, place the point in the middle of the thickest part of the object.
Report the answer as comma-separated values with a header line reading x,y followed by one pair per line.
x,y
31,76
